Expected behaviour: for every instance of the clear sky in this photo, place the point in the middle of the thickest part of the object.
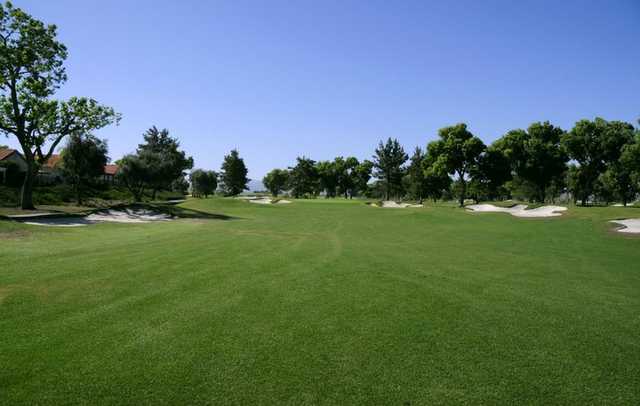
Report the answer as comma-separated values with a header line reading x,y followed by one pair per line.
x,y
278,79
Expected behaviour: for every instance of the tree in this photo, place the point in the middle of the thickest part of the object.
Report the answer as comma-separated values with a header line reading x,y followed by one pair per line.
x,y
203,183
347,175
387,161
276,181
536,156
416,185
180,185
134,174
31,70
456,152
303,178
83,160
492,173
328,176
361,176
630,162
595,145
234,174
165,161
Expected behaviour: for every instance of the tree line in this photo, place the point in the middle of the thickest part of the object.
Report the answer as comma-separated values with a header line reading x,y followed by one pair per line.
x,y
596,161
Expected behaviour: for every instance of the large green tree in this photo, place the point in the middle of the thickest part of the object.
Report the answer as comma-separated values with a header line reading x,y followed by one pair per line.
x,y
536,155
415,178
303,178
234,174
31,70
83,160
165,161
134,173
388,162
596,146
361,175
276,181
328,176
491,174
457,153
203,183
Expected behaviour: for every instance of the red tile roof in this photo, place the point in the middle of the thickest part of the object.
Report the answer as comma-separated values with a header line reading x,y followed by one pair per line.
x,y
52,161
6,153
111,169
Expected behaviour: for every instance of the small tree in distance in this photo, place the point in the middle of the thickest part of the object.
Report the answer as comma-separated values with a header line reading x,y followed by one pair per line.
x,y
303,178
234,174
203,183
388,160
456,152
276,181
83,160
134,174
165,161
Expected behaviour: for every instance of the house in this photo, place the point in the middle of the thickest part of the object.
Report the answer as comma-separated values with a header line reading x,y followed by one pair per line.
x,y
110,172
7,156
50,172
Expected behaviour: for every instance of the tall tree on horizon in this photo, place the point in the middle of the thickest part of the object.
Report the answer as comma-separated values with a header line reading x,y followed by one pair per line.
x,y
83,160
415,175
203,183
457,153
164,159
536,155
596,146
31,71
388,161
234,174
276,181
303,178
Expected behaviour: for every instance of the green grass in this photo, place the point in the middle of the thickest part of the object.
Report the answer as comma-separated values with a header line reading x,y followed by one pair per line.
x,y
322,303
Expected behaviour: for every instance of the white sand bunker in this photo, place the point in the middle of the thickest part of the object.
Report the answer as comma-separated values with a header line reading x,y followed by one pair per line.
x,y
631,226
390,204
113,216
266,200
519,210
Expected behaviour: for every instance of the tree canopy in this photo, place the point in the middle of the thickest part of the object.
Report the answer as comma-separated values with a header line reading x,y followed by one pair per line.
x,y
456,152
31,71
234,174
596,146
83,160
203,183
165,161
535,155
304,180
388,163
276,181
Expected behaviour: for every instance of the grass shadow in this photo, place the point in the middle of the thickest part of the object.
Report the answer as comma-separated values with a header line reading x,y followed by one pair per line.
x,y
177,211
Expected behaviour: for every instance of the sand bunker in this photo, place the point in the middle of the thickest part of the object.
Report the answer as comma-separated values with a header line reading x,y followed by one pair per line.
x,y
266,200
113,216
519,210
390,204
631,226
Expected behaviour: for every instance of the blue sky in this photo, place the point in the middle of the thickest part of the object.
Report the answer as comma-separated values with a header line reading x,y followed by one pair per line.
x,y
278,79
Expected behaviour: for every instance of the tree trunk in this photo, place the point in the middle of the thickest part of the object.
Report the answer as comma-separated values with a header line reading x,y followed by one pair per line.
x,y
153,194
78,194
463,190
26,198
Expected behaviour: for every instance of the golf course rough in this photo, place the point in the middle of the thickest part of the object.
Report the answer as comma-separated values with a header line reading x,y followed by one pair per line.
x,y
322,302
